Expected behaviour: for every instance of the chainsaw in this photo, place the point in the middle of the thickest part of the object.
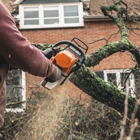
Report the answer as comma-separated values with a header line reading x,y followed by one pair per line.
x,y
68,56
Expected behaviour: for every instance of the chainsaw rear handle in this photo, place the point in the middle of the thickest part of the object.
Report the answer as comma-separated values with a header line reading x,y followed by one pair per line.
x,y
81,58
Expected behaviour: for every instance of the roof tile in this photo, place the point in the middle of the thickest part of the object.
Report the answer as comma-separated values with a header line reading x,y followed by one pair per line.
x,y
133,6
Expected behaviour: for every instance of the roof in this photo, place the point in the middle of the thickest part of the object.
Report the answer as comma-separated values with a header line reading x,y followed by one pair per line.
x,y
133,5
47,1
92,6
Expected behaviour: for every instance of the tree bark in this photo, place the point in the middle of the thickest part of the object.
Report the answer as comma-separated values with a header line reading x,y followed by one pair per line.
x,y
90,83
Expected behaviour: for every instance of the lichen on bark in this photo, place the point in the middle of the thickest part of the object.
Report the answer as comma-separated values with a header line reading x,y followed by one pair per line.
x,y
97,88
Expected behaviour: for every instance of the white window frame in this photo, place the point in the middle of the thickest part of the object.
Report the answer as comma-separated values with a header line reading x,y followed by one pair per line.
x,y
118,79
50,8
23,93
34,9
41,16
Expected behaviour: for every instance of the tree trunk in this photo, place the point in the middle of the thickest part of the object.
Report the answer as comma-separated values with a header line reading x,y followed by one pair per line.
x,y
91,84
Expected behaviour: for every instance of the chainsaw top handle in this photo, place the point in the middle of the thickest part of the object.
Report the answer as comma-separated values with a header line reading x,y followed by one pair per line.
x,y
80,44
77,51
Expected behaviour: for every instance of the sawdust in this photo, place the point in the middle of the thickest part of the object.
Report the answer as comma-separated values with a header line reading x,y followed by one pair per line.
x,y
45,123
67,114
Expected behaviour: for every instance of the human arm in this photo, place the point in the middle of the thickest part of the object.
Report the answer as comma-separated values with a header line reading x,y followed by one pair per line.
x,y
18,51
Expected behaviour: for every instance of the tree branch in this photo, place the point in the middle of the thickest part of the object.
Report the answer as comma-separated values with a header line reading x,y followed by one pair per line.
x,y
118,17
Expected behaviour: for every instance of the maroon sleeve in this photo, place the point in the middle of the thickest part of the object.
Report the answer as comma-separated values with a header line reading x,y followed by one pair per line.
x,y
18,51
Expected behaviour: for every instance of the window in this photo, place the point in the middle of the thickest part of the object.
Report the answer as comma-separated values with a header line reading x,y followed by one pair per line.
x,y
121,79
31,16
51,15
71,14
48,16
16,92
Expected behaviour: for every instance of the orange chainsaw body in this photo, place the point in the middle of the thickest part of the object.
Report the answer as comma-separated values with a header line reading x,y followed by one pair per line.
x,y
65,60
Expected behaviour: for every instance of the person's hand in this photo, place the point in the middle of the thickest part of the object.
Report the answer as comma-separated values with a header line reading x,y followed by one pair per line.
x,y
48,52
55,77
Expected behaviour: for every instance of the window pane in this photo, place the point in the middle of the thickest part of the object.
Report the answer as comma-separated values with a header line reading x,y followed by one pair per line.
x,y
51,21
14,88
111,77
125,81
71,11
31,14
31,22
71,20
51,13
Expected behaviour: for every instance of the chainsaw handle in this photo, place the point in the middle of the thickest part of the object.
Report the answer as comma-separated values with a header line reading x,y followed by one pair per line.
x,y
68,43
85,45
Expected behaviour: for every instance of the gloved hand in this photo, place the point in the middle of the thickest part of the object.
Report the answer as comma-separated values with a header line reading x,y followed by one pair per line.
x,y
55,77
48,52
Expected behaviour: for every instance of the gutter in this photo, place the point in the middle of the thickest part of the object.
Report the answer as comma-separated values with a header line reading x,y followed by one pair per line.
x,y
133,18
96,18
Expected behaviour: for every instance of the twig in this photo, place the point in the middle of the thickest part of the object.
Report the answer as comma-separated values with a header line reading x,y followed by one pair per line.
x,y
106,40
125,117
99,40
